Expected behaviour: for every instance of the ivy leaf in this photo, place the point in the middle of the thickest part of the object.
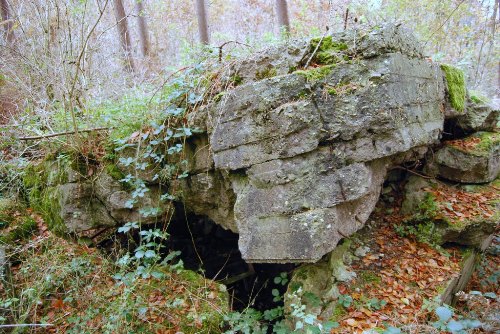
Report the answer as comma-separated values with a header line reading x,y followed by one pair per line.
x,y
149,254
139,254
491,295
329,325
157,274
142,310
455,326
444,313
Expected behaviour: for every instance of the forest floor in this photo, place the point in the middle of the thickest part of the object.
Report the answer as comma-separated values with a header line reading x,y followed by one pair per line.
x,y
72,287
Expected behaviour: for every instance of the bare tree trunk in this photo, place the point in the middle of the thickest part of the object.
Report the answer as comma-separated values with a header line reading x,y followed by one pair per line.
x,y
201,12
282,12
123,32
143,29
7,21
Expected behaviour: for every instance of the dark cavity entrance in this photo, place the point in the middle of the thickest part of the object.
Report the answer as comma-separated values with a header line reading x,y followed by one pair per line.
x,y
213,251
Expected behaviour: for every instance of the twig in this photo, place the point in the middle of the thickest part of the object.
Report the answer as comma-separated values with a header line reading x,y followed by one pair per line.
x,y
413,172
316,49
26,325
346,18
444,22
224,44
61,134
165,82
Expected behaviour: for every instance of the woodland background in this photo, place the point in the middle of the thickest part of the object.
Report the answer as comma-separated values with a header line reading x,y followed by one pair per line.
x,y
73,54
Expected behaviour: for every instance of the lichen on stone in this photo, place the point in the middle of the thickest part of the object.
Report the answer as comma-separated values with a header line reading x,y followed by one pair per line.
x,y
456,86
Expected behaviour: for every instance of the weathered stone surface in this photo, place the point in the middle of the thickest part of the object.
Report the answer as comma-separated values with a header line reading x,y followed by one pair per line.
x,y
306,154
115,199
293,159
479,117
274,61
475,159
209,194
320,279
80,209
79,204
386,39
297,220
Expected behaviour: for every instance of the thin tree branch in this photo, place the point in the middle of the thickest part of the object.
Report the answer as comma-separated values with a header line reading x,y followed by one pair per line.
x,y
444,22
26,325
224,44
316,49
57,134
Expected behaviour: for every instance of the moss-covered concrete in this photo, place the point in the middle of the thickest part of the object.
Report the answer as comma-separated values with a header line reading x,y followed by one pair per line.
x,y
456,86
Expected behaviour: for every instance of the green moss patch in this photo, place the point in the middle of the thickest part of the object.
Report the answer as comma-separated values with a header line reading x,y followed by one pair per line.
x,y
114,172
43,198
329,51
316,74
236,80
456,86
265,73
71,286
369,277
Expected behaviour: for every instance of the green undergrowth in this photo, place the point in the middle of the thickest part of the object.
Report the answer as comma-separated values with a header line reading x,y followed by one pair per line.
x,y
71,287
456,86
15,224
24,228
138,108
8,207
